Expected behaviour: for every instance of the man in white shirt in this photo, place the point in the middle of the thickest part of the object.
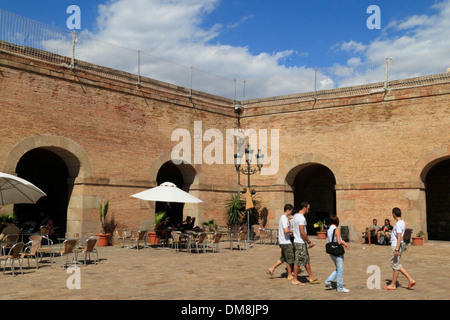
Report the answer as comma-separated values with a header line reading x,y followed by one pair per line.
x,y
301,244
397,247
284,239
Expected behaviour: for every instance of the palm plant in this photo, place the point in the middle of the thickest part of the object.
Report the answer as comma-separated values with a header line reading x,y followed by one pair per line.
x,y
236,212
235,206
103,213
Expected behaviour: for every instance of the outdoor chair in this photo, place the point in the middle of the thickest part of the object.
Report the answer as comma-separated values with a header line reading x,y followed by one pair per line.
x,y
201,240
12,256
225,231
407,236
44,230
256,231
216,241
90,247
122,235
263,235
41,250
31,250
10,240
274,237
242,238
345,233
69,249
178,240
141,235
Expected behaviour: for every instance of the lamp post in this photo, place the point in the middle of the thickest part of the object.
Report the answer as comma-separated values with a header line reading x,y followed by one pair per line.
x,y
248,171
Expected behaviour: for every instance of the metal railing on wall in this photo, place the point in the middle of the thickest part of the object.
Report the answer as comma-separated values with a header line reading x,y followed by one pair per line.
x,y
74,50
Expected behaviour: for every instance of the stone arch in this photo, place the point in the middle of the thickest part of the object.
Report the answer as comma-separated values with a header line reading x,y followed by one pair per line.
x,y
427,161
192,175
78,167
423,218
290,169
193,178
73,155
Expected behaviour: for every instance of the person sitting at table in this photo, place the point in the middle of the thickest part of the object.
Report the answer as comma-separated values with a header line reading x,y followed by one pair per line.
x,y
29,226
187,224
384,232
10,229
371,231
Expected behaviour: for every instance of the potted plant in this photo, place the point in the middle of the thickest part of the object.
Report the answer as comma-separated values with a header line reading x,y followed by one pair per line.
x,y
104,236
159,225
235,206
321,234
418,240
210,225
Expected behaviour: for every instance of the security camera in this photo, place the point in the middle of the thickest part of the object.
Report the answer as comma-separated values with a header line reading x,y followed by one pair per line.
x,y
238,108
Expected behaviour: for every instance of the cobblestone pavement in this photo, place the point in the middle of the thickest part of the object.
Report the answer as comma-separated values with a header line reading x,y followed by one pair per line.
x,y
163,274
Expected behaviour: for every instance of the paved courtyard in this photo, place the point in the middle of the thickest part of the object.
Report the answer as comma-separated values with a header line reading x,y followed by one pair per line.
x,y
163,274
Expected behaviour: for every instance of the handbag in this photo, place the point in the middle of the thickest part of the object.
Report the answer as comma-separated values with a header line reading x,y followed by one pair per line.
x,y
334,248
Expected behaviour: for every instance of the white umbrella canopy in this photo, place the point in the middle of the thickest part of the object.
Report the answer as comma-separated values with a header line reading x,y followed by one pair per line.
x,y
17,190
166,192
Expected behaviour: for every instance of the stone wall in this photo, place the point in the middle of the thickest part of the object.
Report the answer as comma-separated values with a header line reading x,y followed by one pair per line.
x,y
114,136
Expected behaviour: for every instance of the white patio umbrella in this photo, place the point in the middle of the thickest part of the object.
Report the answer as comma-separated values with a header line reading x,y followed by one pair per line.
x,y
166,192
17,190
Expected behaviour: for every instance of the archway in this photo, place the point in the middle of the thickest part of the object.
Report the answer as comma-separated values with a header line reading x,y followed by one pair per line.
x,y
437,183
49,172
169,172
315,183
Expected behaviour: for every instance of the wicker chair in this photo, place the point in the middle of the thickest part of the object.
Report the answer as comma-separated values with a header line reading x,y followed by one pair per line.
x,y
141,235
89,248
178,240
242,238
122,235
216,240
69,249
31,249
201,240
9,241
12,256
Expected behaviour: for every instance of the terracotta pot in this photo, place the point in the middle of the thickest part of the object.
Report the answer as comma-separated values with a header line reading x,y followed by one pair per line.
x,y
152,238
104,239
321,234
417,241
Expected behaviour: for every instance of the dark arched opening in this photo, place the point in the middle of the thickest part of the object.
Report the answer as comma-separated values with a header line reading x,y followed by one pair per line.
x,y
169,172
315,183
438,201
49,173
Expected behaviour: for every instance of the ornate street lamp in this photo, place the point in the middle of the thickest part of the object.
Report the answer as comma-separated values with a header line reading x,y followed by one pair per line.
x,y
248,171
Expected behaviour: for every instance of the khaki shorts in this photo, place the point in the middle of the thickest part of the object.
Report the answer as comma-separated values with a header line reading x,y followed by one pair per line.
x,y
301,254
287,253
395,261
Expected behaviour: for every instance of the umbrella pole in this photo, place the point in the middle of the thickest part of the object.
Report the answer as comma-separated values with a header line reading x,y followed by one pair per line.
x,y
248,225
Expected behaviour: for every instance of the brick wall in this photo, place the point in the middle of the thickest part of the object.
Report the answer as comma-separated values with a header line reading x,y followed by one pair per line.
x,y
375,144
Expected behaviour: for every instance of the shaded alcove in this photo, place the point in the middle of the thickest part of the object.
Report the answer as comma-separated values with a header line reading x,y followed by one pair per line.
x,y
437,184
48,172
315,183
169,172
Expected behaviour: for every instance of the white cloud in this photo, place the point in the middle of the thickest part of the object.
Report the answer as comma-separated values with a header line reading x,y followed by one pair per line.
x,y
240,22
173,31
422,47
351,46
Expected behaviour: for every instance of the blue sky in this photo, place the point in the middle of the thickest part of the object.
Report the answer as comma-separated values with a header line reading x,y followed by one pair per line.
x,y
257,38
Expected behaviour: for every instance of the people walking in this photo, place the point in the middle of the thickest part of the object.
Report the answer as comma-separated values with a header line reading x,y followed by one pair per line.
x,y
301,244
284,239
334,235
397,248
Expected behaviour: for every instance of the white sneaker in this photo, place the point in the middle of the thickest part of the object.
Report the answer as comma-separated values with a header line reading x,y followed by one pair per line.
x,y
329,285
343,290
